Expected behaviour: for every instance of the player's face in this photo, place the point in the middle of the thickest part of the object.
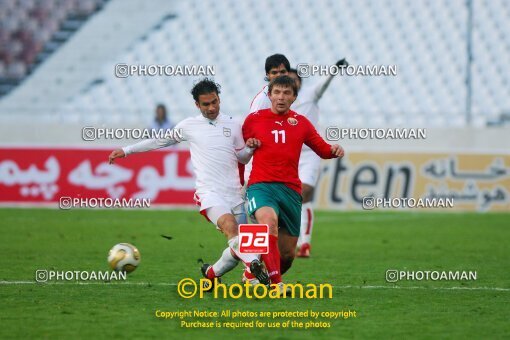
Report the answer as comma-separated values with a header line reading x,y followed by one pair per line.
x,y
276,72
209,105
296,79
281,98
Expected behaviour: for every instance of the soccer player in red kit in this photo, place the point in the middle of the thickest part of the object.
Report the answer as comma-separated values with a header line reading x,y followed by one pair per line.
x,y
274,188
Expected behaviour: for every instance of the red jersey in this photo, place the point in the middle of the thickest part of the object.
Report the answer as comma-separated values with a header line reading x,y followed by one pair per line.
x,y
282,137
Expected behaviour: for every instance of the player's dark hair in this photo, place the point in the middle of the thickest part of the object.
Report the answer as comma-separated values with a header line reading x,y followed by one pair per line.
x,y
293,70
205,86
284,81
276,60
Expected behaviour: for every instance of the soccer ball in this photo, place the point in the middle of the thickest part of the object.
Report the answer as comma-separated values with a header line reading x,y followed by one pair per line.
x,y
124,257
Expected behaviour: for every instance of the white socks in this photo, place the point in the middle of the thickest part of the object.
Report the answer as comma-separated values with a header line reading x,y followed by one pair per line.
x,y
246,258
305,234
226,263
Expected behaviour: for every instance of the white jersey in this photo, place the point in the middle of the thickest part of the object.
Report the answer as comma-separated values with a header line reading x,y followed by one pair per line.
x,y
261,101
213,146
307,102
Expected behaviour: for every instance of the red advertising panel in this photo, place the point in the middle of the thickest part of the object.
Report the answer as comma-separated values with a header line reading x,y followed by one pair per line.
x,y
32,175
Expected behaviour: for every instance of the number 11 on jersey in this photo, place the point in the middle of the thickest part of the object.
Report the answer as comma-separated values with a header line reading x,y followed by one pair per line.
x,y
276,133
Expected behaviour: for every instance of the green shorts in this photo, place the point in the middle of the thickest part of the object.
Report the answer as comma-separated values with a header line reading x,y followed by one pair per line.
x,y
285,202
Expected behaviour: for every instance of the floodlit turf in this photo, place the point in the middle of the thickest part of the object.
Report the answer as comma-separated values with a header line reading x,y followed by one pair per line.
x,y
351,251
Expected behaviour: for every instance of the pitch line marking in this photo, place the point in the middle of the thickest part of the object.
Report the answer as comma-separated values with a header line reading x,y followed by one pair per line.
x,y
175,284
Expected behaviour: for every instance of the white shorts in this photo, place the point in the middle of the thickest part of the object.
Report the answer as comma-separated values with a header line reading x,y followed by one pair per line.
x,y
213,206
309,167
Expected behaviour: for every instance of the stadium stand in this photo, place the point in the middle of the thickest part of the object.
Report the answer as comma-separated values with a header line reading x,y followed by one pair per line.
x,y
31,30
426,40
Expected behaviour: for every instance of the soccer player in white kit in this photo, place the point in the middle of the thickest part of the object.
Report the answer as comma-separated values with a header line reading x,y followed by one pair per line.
x,y
276,65
216,147
307,104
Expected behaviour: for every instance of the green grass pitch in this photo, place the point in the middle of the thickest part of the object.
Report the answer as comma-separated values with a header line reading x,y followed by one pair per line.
x,y
351,251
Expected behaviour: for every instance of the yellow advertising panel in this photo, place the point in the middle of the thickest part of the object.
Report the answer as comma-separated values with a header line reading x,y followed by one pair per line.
x,y
469,182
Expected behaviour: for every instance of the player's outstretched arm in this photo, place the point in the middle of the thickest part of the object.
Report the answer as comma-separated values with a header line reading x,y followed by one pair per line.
x,y
244,155
151,144
148,144
143,146
322,86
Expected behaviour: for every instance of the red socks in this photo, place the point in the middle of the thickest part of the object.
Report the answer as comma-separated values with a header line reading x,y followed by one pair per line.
x,y
272,260
248,275
210,273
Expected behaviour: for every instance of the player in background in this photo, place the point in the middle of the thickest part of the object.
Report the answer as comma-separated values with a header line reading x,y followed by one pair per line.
x,y
307,104
216,147
276,65
274,188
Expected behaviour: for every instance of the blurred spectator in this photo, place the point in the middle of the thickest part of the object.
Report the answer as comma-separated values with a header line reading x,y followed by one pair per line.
x,y
161,121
